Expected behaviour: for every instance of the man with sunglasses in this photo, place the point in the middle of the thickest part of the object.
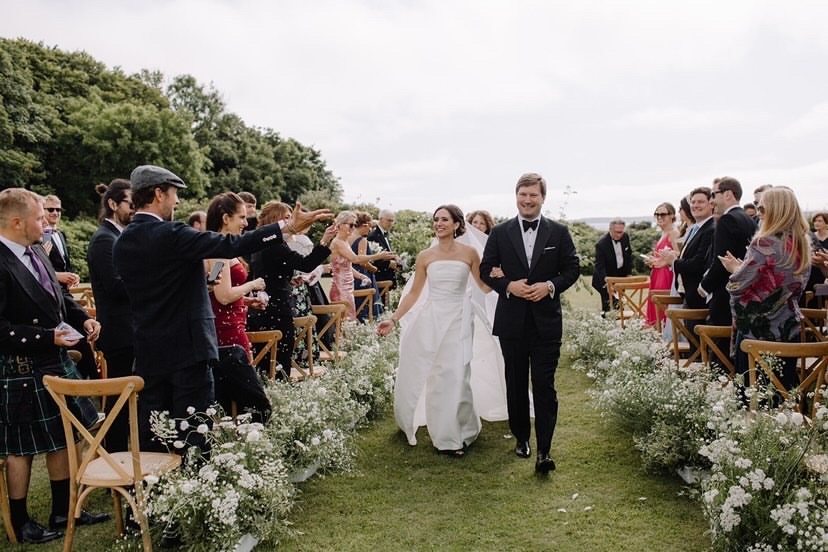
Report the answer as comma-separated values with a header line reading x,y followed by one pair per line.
x,y
54,242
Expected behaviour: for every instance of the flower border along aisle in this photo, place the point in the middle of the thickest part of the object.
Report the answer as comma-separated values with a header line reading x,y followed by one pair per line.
x,y
245,486
765,474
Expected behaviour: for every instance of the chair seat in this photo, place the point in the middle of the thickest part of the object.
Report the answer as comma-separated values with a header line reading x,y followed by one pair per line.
x,y
332,356
100,473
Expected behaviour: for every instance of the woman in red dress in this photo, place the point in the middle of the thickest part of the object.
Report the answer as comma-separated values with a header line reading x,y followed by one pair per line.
x,y
662,278
229,298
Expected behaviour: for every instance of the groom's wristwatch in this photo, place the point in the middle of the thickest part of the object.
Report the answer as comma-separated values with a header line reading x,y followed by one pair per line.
x,y
551,287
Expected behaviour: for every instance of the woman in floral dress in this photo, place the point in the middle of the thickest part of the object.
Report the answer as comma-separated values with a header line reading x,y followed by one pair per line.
x,y
765,288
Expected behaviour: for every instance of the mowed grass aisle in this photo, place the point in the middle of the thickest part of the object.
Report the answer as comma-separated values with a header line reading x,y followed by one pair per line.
x,y
410,498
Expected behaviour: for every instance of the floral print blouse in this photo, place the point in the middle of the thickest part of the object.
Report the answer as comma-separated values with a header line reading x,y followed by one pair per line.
x,y
764,294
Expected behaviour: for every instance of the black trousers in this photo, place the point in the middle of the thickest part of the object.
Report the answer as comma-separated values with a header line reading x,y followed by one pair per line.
x,y
525,356
175,391
118,364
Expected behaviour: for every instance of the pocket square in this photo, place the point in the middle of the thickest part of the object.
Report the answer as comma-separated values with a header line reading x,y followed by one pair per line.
x,y
549,248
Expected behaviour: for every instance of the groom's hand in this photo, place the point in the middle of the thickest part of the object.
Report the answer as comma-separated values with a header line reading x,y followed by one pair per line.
x,y
519,288
537,292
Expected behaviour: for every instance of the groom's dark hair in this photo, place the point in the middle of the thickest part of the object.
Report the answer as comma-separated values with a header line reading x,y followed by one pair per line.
x,y
530,179
456,216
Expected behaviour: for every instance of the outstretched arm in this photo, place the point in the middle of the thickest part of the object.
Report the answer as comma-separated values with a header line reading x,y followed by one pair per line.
x,y
410,299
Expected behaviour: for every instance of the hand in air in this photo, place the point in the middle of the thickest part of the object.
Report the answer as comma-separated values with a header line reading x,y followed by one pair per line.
x,y
302,220
730,262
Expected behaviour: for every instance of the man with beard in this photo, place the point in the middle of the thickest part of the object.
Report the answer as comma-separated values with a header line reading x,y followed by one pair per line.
x,y
111,300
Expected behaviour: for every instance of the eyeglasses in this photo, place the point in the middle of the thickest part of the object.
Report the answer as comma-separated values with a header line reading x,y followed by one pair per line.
x,y
714,193
53,209
761,209
661,214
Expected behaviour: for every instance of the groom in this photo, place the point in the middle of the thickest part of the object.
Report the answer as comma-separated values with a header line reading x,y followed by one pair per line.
x,y
539,263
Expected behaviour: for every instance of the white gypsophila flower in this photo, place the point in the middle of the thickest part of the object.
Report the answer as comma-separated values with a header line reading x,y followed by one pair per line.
x,y
781,418
184,425
210,411
315,441
796,419
187,487
151,479
178,444
191,410
253,436
202,428
817,463
743,463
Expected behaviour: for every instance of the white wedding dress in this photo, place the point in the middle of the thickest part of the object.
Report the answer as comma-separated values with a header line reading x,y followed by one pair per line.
x,y
450,368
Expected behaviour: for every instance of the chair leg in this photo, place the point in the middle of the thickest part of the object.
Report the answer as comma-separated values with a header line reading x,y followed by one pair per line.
x,y
119,514
5,510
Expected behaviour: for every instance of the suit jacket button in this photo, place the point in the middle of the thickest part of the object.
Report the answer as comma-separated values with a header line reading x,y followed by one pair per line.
x,y
35,321
23,340
37,336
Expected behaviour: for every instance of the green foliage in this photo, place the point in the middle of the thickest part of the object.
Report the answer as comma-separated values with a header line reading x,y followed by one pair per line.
x,y
67,122
411,234
642,241
78,231
585,237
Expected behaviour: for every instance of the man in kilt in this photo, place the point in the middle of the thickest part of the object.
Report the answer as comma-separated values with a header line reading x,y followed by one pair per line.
x,y
32,306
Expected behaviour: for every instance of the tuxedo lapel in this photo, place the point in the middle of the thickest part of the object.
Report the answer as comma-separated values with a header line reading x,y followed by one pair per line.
x,y
515,233
25,278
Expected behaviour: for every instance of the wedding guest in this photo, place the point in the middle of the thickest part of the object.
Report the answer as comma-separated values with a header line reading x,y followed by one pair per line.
x,y
250,203
662,277
342,259
819,243
359,245
55,244
276,265
757,200
750,209
197,220
386,270
481,220
686,220
613,257
766,286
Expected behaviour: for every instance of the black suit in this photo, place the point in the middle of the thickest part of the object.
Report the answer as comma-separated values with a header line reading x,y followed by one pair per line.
x,y
530,332
606,265
733,233
28,317
384,270
161,264
61,262
692,264
114,313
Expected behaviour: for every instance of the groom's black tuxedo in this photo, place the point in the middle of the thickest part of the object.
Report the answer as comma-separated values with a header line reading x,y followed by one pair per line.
x,y
530,332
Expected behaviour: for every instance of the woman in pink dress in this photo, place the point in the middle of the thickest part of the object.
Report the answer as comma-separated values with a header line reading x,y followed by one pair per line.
x,y
662,278
342,259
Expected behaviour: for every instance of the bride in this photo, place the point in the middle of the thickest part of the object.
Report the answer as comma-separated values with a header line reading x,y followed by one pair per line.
x,y
436,381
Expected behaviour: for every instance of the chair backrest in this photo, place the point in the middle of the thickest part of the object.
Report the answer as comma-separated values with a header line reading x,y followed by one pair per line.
x,y
126,389
304,334
678,318
83,295
364,299
812,324
661,302
813,355
707,342
821,293
270,340
384,286
335,313
632,299
612,280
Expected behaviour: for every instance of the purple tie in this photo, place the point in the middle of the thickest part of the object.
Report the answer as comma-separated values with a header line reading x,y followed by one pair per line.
x,y
42,275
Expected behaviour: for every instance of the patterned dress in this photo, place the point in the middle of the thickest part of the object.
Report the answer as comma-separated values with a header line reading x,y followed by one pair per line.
x,y
764,299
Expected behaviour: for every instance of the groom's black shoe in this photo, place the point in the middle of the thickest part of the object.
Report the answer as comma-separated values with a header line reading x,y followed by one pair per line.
x,y
544,464
523,450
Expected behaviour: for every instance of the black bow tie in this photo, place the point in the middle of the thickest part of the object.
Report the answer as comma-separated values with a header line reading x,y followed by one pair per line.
x,y
530,224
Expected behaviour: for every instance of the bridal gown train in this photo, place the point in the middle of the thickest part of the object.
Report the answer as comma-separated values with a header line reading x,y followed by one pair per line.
x,y
438,345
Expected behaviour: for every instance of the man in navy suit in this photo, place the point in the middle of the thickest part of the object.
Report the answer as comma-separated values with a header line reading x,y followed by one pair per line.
x,y
32,344
537,258
613,257
161,264
111,300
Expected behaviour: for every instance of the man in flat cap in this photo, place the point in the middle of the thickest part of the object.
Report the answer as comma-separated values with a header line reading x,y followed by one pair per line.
x,y
161,264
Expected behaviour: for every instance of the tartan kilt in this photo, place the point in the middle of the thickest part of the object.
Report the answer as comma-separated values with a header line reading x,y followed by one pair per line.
x,y
30,421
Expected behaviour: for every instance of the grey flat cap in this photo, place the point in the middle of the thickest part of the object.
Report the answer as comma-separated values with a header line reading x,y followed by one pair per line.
x,y
147,176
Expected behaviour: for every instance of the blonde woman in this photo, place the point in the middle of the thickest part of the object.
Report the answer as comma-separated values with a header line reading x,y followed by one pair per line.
x,y
661,277
765,288
342,260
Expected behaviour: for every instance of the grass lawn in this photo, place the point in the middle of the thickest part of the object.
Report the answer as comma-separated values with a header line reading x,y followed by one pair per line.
x,y
410,498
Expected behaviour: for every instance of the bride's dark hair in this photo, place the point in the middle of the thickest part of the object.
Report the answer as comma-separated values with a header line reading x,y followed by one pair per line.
x,y
456,216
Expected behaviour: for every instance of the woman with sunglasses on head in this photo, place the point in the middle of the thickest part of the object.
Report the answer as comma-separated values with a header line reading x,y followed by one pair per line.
x,y
662,277
343,259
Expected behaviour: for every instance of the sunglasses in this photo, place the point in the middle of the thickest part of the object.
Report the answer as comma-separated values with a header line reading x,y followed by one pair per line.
x,y
53,209
661,214
348,224
761,209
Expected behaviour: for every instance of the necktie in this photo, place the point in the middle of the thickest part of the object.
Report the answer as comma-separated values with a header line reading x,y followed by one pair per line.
x,y
530,224
693,230
40,270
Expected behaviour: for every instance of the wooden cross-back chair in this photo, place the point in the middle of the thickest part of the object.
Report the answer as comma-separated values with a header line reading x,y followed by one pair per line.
x,y
678,319
304,334
812,326
384,286
821,294
612,280
813,359
364,299
83,295
707,344
632,299
662,299
269,339
335,312
95,467
5,511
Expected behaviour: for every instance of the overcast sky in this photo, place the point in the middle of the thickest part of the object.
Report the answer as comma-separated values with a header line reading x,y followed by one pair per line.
x,y
417,103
